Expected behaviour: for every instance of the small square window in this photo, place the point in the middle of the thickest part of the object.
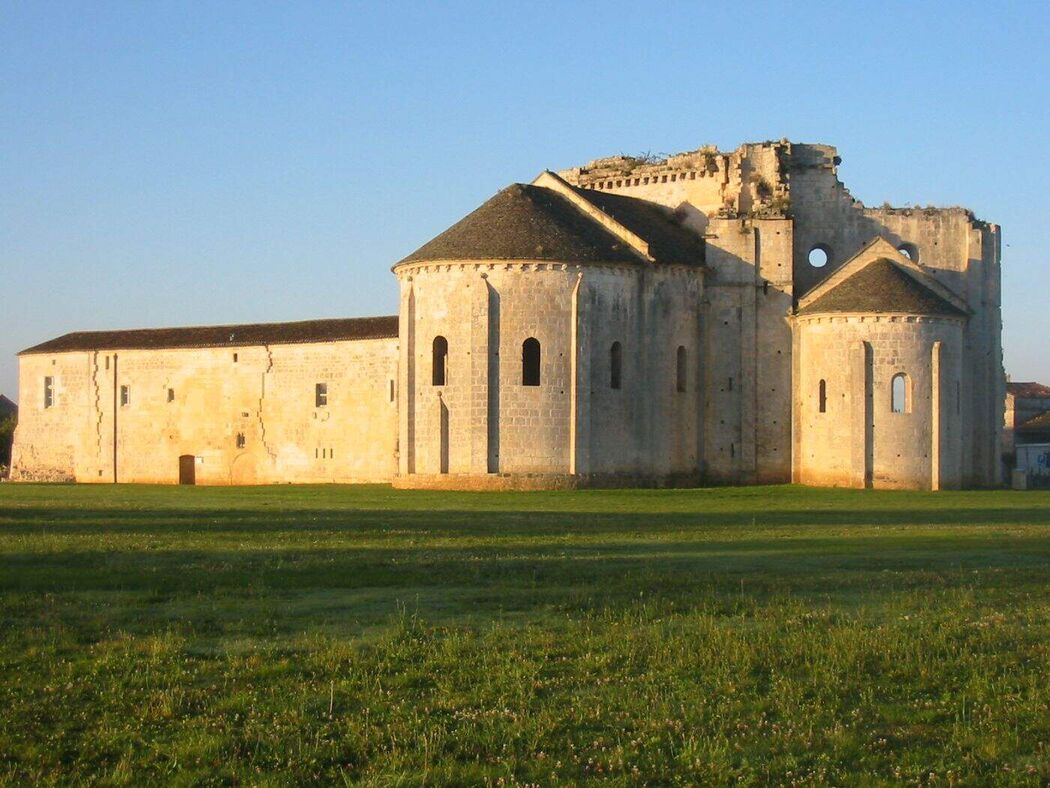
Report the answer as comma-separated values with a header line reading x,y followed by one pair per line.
x,y
321,395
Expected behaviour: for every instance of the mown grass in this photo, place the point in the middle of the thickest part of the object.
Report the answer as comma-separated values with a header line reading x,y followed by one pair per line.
x,y
365,635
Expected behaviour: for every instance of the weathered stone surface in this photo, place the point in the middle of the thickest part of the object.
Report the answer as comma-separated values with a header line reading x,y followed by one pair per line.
x,y
707,264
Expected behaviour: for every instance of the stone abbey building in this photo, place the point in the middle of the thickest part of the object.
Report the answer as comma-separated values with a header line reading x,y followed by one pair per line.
x,y
710,317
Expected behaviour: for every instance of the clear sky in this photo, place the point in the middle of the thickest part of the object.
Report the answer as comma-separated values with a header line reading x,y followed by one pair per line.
x,y
182,163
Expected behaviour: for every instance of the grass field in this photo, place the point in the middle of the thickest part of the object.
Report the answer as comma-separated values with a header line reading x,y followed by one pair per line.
x,y
365,635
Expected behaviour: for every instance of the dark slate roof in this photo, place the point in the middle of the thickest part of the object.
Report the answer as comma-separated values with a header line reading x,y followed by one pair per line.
x,y
882,286
668,240
220,336
7,407
1040,423
526,222
1023,390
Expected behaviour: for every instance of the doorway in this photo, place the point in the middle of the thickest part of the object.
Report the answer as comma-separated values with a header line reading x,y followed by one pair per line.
x,y
187,469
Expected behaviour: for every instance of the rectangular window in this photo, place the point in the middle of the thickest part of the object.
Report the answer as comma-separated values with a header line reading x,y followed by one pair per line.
x,y
234,358
125,395
321,395
240,440
391,391
171,395
49,392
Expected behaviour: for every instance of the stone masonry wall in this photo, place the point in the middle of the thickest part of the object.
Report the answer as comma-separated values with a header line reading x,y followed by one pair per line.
x,y
246,414
483,420
858,441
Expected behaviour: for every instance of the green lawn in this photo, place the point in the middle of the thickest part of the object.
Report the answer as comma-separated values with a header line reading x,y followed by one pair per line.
x,y
365,635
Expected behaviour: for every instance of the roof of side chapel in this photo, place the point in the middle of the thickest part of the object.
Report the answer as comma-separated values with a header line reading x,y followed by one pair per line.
x,y
882,286
529,222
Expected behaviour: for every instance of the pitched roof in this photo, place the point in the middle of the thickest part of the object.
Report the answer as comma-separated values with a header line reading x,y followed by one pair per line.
x,y
7,407
528,222
882,286
221,336
668,240
1029,390
1040,423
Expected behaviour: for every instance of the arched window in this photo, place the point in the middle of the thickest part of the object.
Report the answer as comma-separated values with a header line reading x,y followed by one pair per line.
x,y
822,396
615,365
680,369
440,361
899,391
530,362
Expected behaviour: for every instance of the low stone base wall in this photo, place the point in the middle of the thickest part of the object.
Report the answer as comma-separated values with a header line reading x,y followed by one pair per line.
x,y
538,481
18,474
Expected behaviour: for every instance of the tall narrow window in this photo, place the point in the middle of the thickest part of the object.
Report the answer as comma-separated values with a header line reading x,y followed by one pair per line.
x,y
125,395
822,397
680,369
440,361
320,395
615,365
171,395
240,440
899,393
49,392
530,362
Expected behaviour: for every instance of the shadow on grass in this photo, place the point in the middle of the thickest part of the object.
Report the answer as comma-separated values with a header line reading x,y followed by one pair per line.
x,y
501,524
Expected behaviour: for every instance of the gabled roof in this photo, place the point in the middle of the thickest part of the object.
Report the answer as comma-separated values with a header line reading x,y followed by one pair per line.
x,y
879,279
339,329
1029,390
1040,423
531,222
882,287
668,240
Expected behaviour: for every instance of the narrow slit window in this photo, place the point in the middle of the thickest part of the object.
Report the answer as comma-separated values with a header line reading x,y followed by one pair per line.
x,y
392,391
234,358
530,362
680,369
240,440
171,395
899,394
49,392
321,395
440,361
125,395
822,396
615,365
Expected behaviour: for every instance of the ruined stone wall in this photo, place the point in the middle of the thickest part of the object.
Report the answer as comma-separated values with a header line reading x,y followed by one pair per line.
x,y
960,251
247,415
737,201
858,441
747,338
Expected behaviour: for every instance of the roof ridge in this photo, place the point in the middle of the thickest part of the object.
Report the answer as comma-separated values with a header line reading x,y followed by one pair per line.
x,y
226,334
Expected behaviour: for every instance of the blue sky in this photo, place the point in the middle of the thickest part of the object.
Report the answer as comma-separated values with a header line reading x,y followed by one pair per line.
x,y
166,164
